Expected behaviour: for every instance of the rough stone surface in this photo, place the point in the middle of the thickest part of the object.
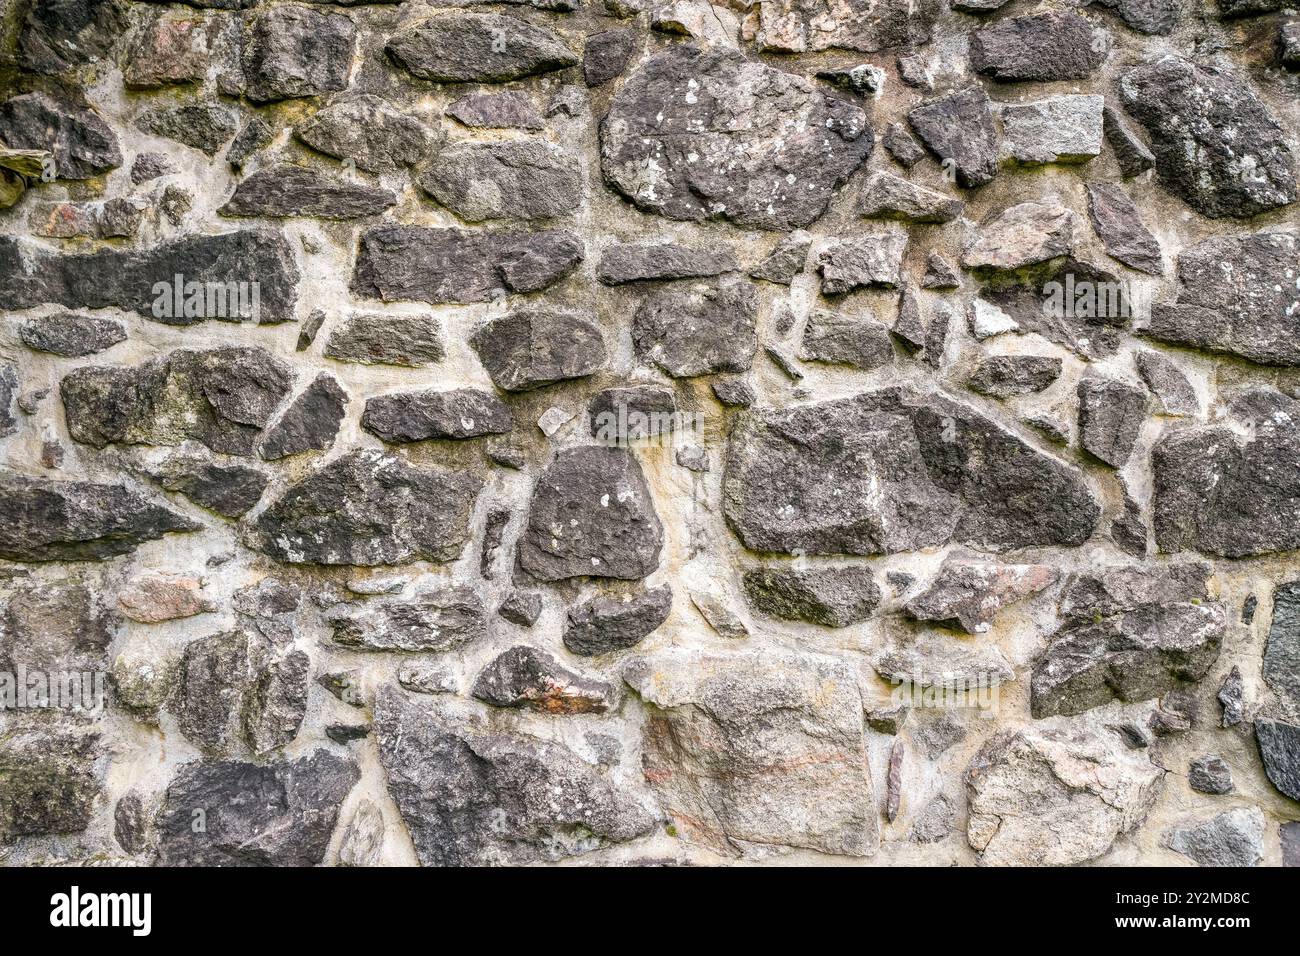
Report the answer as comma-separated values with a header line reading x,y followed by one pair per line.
x,y
477,48
393,378
1128,639
1237,295
959,130
591,515
281,814
1235,838
832,597
743,748
1216,145
1056,795
416,263
1052,45
792,474
506,180
478,797
367,508
697,330
607,624
689,136
370,132
531,348
415,416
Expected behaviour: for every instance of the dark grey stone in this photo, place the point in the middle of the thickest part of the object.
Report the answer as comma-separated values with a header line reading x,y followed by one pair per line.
x,y
465,47
310,423
510,109
720,132
958,129
1235,838
222,398
522,608
83,145
1282,652
891,471
1130,152
418,263
61,35
471,797
1237,296
455,413
1006,376
204,126
282,191
1279,748
591,515
531,348
372,133
1203,122
786,260
1130,635
857,341
291,51
891,197
280,814
698,329
72,336
367,508
1167,383
622,263
256,135
831,597
407,340
526,677
1111,414
1227,496
441,620
606,55
1052,45
511,179
907,152
51,785
45,520
143,281
1210,774
229,490
610,623
1119,226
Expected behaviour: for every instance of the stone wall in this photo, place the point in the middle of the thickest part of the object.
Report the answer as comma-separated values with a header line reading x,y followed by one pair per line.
x,y
856,432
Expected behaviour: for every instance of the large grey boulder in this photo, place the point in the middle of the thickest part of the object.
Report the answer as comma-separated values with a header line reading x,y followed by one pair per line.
x,y
280,814
291,51
47,520
698,330
369,131
891,471
531,348
368,508
476,797
707,133
1053,45
1234,838
1216,145
591,515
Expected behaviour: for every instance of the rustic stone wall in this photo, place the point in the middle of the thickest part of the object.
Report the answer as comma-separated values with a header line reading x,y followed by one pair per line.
x,y
613,431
